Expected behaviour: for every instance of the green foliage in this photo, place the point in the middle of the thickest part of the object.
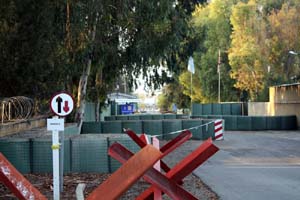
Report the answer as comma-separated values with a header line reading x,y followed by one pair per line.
x,y
173,94
45,45
284,29
254,38
244,57
212,30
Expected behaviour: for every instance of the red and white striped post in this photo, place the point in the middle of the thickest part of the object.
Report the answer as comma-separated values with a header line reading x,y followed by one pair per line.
x,y
219,129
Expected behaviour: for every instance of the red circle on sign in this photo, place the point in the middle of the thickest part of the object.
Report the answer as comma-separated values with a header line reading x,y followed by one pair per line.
x,y
62,104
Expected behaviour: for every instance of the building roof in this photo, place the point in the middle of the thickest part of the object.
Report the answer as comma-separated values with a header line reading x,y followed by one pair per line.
x,y
122,98
287,85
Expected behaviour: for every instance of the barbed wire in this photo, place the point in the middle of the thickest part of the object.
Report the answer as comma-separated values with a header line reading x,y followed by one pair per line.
x,y
16,108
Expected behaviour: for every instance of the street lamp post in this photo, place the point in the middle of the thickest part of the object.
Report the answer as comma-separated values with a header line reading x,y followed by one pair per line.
x,y
293,78
293,52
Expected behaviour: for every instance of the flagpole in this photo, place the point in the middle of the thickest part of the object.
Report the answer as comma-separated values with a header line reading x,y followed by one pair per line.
x,y
191,69
191,91
219,79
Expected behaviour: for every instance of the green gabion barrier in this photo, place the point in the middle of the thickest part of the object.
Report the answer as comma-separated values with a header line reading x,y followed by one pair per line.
x,y
171,126
200,116
207,109
217,109
189,123
152,127
121,117
230,122
182,116
91,127
89,153
274,123
214,117
89,113
72,130
169,116
289,123
226,109
244,123
157,117
145,117
42,155
113,164
133,117
135,126
112,127
197,109
208,129
258,123
17,151
236,109
109,118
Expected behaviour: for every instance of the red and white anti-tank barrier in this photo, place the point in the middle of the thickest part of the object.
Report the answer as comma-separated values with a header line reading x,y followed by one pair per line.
x,y
219,131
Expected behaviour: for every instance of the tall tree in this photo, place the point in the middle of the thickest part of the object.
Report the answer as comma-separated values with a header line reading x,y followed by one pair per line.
x,y
66,40
244,56
284,28
212,33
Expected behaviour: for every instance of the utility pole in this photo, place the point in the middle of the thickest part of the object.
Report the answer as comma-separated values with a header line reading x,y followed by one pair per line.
x,y
219,72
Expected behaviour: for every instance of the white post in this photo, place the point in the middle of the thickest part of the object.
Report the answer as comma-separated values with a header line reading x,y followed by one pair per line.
x,y
191,93
61,161
55,156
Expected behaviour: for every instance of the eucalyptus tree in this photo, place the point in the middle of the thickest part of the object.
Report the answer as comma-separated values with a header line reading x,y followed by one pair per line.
x,y
128,38
51,45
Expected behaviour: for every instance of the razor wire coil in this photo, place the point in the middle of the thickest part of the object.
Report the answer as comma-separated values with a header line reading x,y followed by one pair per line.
x,y
16,108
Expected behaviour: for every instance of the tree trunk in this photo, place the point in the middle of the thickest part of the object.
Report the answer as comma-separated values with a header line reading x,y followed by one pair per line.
x,y
82,87
97,111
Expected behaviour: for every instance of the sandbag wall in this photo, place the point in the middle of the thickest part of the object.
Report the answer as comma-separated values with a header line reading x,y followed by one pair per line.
x,y
165,129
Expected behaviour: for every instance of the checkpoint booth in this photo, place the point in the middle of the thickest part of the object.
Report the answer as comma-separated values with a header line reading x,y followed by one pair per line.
x,y
123,104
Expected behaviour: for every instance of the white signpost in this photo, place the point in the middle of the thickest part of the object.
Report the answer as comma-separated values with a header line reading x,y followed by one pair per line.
x,y
61,104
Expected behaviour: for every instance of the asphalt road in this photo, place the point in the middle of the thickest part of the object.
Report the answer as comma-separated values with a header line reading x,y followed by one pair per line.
x,y
255,166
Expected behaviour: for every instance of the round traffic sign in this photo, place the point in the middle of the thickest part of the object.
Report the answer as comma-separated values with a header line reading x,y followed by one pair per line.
x,y
62,104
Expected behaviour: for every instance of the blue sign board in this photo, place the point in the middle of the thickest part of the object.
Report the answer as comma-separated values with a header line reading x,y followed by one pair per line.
x,y
127,109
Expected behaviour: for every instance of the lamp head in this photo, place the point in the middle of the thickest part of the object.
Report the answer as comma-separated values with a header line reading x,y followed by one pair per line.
x,y
293,53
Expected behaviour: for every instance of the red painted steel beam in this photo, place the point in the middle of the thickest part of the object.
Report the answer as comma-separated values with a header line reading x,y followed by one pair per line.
x,y
156,178
186,166
127,174
144,138
16,182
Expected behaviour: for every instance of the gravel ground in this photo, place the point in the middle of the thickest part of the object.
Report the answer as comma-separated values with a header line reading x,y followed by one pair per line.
x,y
44,181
